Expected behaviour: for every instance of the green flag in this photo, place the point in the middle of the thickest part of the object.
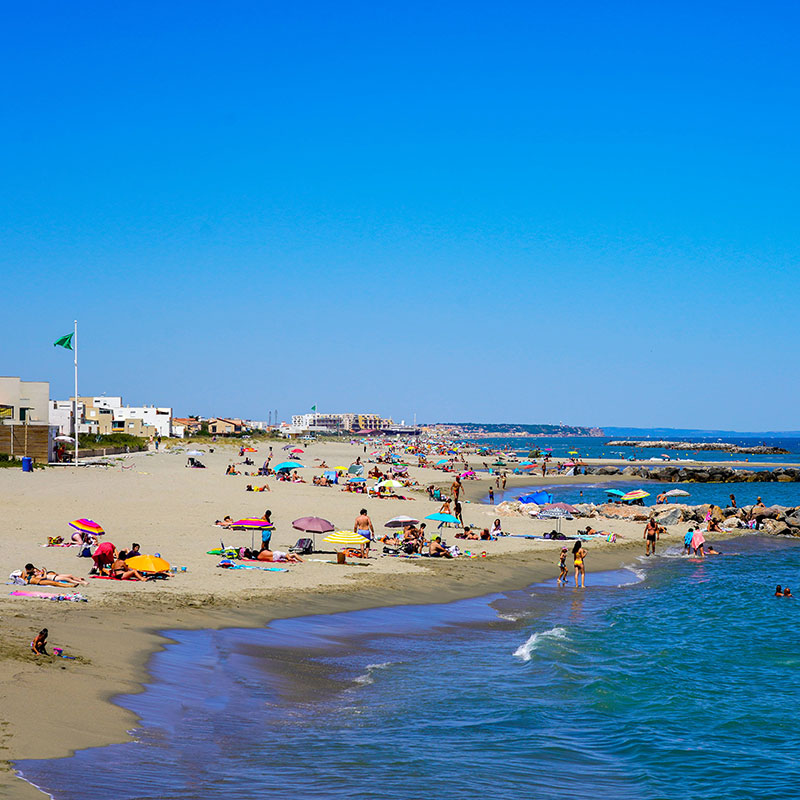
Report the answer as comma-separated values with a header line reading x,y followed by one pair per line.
x,y
64,341
313,408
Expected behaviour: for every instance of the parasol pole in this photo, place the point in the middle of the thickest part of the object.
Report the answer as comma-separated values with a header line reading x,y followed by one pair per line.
x,y
75,348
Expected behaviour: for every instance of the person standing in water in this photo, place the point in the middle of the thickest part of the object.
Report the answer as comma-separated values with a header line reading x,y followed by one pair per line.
x,y
578,559
562,565
651,533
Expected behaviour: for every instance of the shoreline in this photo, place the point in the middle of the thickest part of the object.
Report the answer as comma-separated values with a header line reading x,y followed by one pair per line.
x,y
142,642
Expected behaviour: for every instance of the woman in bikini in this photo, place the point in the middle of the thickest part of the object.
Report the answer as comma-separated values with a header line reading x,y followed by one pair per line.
x,y
578,558
120,570
38,576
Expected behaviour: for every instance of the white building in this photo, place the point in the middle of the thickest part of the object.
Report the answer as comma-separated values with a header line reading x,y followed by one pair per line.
x,y
104,415
24,401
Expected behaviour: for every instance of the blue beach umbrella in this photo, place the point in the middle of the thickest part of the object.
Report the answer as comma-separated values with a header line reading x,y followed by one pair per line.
x,y
288,465
615,492
442,461
439,517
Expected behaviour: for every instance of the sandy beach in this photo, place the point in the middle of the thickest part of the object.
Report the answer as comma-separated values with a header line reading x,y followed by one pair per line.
x,y
153,499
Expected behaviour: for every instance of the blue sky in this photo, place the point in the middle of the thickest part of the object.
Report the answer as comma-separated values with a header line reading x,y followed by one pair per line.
x,y
524,212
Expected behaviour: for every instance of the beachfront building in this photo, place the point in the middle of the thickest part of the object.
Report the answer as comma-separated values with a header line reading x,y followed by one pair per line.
x,y
100,416
316,422
25,428
221,426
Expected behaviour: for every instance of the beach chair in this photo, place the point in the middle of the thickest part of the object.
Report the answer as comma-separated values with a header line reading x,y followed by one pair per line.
x,y
303,547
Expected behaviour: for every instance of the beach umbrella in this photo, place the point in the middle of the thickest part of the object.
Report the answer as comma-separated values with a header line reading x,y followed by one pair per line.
x,y
401,522
288,465
440,517
440,462
251,525
636,494
390,483
63,439
298,450
195,453
346,538
313,525
148,563
287,447
356,480
572,452
615,492
556,511
676,493
249,450
87,526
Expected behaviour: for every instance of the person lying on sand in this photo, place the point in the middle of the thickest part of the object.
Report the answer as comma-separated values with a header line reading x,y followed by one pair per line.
x,y
224,523
279,555
39,576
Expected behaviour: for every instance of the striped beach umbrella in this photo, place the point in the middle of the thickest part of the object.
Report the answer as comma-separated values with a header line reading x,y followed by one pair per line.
x,y
250,524
87,526
346,538
636,494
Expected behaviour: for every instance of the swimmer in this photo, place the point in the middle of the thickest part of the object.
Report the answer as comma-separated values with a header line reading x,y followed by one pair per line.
x,y
787,592
778,591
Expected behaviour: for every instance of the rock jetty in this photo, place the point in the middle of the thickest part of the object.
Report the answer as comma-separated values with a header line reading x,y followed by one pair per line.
x,y
775,520
713,473
759,449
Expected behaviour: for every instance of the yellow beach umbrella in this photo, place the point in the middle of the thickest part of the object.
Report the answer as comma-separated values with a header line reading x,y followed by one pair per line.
x,y
345,538
148,564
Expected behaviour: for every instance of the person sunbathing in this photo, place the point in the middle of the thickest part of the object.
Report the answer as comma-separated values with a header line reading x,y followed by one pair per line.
x,y
38,576
279,555
120,571
224,523
467,534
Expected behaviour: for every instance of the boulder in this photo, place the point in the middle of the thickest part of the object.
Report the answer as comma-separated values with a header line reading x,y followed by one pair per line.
x,y
766,512
792,520
630,471
775,528
732,523
607,471
785,478
670,516
529,509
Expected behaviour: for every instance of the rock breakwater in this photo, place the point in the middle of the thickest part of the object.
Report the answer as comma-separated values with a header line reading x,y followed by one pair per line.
x,y
668,473
721,446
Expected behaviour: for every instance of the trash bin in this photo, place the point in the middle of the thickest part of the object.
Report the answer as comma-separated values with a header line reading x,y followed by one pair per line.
x,y
27,464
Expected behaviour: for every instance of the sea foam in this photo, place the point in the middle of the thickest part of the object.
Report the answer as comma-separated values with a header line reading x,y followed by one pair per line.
x,y
525,651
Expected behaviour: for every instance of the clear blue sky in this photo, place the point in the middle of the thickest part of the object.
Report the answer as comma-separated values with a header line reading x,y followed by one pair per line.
x,y
533,212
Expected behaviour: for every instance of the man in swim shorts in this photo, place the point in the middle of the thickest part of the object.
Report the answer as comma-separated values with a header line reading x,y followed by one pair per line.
x,y
363,527
651,533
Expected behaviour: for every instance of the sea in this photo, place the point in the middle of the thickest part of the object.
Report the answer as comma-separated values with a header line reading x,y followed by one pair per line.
x,y
594,489
672,678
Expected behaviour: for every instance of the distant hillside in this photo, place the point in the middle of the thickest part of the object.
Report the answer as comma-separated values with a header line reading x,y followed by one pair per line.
x,y
518,429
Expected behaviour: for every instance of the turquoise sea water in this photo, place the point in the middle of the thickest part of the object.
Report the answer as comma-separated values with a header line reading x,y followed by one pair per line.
x,y
596,447
781,494
676,679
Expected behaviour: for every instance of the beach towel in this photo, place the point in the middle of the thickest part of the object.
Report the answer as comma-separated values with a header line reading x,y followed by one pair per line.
x,y
230,565
74,597
16,578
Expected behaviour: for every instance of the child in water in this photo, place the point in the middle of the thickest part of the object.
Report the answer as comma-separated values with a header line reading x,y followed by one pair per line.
x,y
562,577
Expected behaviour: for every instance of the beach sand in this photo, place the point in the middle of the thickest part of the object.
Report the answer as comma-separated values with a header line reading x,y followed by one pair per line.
x,y
53,706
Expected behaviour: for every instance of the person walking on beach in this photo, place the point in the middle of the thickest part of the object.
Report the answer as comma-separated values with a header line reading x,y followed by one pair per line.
x,y
363,526
457,511
651,533
578,559
504,482
455,489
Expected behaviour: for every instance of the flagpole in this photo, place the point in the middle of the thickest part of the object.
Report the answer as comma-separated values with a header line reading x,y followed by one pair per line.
x,y
75,348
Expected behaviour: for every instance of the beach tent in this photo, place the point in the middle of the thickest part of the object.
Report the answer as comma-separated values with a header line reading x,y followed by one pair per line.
x,y
331,475
539,497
